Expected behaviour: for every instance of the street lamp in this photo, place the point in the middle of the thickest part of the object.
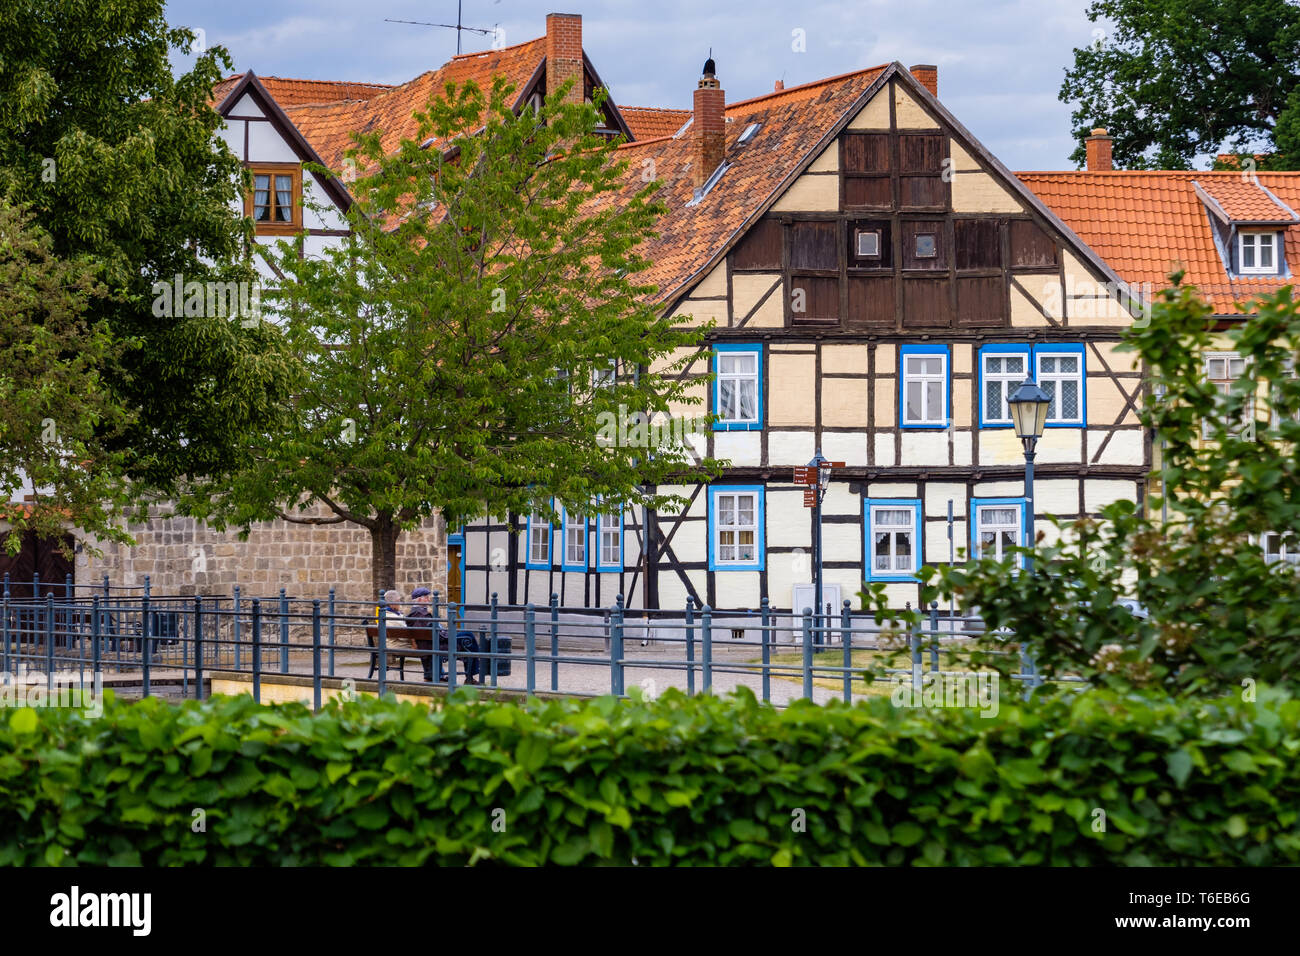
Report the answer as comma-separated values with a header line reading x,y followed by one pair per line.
x,y
1029,404
821,468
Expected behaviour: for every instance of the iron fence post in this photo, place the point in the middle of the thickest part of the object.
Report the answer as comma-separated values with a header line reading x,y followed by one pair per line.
x,y
331,631
9,668
934,637
706,641
284,632
49,645
767,649
616,647
846,639
315,650
530,644
257,650
452,629
807,653
144,633
492,638
198,647
94,636
914,638
238,662
555,641
383,648
690,647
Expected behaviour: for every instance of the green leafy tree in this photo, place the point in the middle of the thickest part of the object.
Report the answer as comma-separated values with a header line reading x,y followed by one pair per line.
x,y
119,162
1219,615
55,412
1173,79
466,348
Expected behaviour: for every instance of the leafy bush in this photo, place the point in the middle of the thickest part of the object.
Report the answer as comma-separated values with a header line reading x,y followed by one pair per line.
x,y
1220,615
678,781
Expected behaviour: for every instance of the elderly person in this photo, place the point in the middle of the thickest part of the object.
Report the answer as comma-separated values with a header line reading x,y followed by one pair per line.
x,y
420,618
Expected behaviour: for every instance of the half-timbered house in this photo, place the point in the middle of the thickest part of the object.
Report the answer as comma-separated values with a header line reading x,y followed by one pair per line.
x,y
877,282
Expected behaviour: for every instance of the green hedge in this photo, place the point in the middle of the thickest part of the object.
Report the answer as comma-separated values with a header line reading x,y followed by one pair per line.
x,y
681,781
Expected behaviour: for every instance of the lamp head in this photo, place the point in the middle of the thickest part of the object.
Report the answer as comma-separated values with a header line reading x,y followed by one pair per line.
x,y
1029,404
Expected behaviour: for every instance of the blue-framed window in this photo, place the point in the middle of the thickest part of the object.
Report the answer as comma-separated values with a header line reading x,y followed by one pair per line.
x,y
738,387
924,386
1001,369
1062,372
609,541
894,536
574,543
736,528
537,541
996,526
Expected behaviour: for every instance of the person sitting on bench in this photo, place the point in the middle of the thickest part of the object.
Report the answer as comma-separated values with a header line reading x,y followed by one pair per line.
x,y
420,618
467,650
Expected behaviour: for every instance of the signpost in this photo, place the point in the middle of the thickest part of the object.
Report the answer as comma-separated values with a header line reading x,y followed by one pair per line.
x,y
816,478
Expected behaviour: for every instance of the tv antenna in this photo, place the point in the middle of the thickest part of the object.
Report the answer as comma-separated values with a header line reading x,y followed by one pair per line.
x,y
449,26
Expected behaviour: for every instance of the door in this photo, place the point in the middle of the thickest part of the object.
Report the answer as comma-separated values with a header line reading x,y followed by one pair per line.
x,y
453,573
804,596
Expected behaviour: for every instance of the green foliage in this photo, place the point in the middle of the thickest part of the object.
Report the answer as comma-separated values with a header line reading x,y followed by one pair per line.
x,y
120,162
1172,79
54,410
449,343
1221,617
675,782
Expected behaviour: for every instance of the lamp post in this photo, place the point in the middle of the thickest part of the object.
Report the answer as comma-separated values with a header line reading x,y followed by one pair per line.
x,y
1029,405
820,467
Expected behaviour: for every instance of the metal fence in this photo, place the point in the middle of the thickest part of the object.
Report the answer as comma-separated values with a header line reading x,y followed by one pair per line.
x,y
145,644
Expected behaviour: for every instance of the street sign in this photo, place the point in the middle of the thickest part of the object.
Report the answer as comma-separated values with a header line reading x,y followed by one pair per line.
x,y
803,475
810,498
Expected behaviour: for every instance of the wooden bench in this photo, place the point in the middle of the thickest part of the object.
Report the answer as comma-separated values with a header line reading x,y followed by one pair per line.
x,y
401,643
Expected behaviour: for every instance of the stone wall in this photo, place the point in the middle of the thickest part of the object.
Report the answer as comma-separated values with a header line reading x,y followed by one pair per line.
x,y
184,556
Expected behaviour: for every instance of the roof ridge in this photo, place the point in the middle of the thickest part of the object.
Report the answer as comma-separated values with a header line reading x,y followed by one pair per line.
x,y
805,86
500,49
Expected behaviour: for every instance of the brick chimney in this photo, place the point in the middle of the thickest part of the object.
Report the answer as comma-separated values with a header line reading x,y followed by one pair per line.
x,y
564,54
708,131
928,76
780,85
1098,147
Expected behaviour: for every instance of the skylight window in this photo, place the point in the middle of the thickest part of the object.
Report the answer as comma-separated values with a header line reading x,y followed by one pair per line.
x,y
750,132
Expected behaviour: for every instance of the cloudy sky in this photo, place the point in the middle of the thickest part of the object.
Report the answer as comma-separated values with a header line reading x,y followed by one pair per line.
x,y
1001,62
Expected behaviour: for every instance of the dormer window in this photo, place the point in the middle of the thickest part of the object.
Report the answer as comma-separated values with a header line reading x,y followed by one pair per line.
x,y
1257,253
275,203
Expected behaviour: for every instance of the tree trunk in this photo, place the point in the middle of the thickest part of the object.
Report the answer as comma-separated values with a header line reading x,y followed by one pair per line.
x,y
383,554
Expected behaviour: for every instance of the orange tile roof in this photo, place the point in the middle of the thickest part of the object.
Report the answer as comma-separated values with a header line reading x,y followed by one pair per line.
x,y
291,92
328,127
793,122
648,122
1244,199
1144,224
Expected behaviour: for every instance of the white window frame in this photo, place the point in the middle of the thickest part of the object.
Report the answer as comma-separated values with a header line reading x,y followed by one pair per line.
x,y
1288,552
980,507
1257,247
926,379
1076,376
573,523
611,556
756,376
539,529
1248,410
736,528
914,530
1009,383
